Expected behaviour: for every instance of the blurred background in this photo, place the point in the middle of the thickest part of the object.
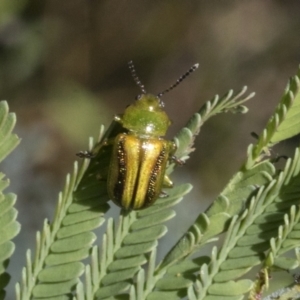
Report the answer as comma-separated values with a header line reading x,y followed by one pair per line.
x,y
63,71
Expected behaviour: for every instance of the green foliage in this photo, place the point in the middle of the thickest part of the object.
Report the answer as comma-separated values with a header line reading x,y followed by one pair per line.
x,y
9,227
258,211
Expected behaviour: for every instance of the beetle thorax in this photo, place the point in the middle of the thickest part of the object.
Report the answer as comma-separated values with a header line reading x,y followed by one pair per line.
x,y
146,117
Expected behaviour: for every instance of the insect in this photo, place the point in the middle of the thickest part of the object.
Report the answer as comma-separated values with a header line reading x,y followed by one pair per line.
x,y
136,173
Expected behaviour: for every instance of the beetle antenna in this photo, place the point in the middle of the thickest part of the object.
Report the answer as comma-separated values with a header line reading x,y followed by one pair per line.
x,y
135,77
181,78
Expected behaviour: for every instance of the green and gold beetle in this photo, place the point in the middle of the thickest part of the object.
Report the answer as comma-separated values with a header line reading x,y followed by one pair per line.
x,y
136,173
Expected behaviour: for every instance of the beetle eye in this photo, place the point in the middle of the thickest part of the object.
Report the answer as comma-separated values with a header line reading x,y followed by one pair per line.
x,y
138,97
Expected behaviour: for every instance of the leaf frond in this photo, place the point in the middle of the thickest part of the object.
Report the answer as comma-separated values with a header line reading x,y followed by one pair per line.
x,y
9,227
8,140
215,220
258,210
259,229
228,102
126,245
62,244
284,123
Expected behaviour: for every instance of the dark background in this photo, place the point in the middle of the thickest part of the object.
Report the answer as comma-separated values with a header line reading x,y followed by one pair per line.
x,y
63,71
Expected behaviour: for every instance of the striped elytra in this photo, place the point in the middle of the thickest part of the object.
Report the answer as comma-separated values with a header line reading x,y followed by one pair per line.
x,y
137,170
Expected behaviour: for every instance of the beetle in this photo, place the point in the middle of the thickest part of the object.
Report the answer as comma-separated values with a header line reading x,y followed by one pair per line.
x,y
140,154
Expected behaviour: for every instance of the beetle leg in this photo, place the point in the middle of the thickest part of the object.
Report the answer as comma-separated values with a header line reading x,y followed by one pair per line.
x,y
177,160
96,149
163,194
172,157
85,154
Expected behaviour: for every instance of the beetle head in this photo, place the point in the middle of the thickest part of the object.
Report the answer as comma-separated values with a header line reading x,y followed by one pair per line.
x,y
146,116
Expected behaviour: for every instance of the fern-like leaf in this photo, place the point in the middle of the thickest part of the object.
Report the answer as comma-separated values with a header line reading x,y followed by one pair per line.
x,y
287,239
288,112
229,102
168,286
283,192
62,244
249,237
185,139
284,123
125,246
8,140
113,281
9,227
